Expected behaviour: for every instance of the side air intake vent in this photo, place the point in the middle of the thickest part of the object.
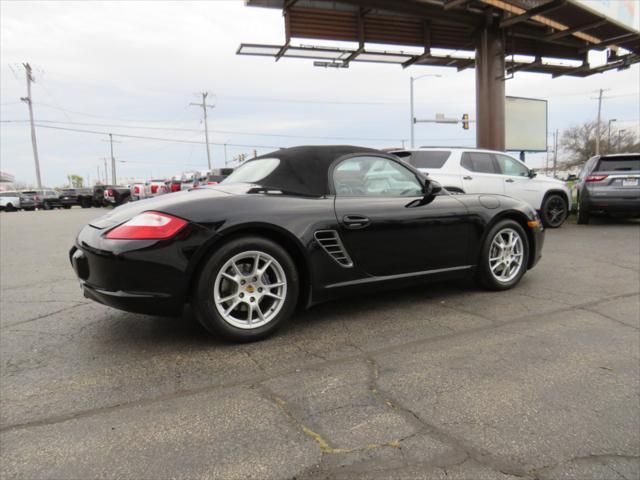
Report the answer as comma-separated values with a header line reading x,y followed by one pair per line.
x,y
330,242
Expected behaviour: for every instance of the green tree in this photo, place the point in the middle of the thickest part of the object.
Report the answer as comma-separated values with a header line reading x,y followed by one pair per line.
x,y
75,181
578,143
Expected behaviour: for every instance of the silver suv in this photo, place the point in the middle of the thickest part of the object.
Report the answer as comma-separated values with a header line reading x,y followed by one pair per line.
x,y
609,184
474,170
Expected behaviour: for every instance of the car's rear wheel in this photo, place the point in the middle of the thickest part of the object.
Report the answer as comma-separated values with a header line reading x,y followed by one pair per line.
x,y
47,206
583,212
247,289
554,211
504,256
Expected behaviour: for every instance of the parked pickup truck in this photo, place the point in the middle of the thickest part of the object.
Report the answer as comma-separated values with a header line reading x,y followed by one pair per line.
x,y
116,195
83,197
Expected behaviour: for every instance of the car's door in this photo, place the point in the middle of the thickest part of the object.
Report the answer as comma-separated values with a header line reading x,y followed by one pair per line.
x,y
387,226
518,183
480,173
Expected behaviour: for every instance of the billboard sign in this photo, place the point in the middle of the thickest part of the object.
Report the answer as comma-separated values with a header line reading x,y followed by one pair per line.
x,y
525,124
625,12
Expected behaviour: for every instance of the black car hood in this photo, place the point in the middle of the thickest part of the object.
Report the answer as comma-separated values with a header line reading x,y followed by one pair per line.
x,y
172,203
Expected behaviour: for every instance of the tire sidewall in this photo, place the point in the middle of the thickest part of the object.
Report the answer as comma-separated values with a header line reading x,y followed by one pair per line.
x,y
583,211
544,210
203,303
485,276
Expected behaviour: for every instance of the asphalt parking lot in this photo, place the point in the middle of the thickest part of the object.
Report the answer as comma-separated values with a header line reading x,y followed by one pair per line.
x,y
448,381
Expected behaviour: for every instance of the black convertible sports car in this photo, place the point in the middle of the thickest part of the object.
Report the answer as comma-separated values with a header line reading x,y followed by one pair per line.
x,y
296,227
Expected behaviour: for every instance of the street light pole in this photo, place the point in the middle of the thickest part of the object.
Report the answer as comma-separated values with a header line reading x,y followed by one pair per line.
x,y
413,117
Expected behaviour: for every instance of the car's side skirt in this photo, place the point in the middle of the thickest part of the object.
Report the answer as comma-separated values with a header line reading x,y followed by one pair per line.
x,y
361,281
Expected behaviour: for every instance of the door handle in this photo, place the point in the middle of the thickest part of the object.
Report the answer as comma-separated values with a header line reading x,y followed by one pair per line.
x,y
467,178
510,180
355,221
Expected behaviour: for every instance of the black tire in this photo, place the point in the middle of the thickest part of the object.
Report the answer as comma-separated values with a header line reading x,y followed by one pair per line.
x,y
9,208
47,206
66,207
583,211
555,210
203,298
484,276
85,203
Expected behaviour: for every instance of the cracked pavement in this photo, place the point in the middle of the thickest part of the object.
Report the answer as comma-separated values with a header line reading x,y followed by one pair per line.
x,y
433,382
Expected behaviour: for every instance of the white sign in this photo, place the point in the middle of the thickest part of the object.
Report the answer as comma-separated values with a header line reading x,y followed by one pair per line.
x,y
625,12
526,124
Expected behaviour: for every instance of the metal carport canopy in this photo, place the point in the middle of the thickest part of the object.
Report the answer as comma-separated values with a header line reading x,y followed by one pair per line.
x,y
496,37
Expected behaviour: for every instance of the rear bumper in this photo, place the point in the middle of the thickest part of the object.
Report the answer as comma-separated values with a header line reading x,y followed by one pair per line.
x,y
538,243
629,206
147,277
146,303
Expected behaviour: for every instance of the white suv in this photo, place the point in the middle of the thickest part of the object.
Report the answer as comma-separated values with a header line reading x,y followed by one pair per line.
x,y
470,170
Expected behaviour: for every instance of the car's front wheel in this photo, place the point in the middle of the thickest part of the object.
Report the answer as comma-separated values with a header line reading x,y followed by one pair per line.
x,y
247,289
504,256
554,211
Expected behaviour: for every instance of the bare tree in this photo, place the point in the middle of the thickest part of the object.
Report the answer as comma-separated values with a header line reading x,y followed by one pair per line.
x,y
578,143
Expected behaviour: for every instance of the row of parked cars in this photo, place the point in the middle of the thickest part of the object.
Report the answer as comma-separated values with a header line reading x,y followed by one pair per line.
x,y
187,180
106,195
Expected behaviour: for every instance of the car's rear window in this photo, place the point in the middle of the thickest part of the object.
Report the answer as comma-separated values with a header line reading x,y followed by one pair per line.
x,y
430,159
613,164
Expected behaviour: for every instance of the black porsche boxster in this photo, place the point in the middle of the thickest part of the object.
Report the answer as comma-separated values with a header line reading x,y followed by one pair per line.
x,y
296,227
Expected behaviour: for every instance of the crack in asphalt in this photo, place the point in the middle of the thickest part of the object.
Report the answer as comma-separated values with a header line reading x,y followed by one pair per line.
x,y
9,326
258,379
608,317
480,456
601,459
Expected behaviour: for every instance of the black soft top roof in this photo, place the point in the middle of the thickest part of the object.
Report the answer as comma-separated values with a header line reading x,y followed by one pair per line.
x,y
305,170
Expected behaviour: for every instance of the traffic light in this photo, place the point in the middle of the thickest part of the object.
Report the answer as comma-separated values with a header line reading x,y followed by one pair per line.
x,y
465,121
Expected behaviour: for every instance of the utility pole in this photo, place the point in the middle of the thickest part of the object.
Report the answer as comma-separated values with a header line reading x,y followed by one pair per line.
x,y
598,124
206,128
113,161
27,99
609,141
225,154
555,153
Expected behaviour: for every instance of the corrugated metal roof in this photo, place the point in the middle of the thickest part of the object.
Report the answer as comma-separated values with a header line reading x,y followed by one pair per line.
x,y
552,29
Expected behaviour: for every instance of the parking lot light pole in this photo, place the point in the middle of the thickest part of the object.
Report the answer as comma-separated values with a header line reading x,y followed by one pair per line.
x,y
413,118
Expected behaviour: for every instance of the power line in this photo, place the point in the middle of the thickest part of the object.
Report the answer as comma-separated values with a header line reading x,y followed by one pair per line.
x,y
228,132
160,139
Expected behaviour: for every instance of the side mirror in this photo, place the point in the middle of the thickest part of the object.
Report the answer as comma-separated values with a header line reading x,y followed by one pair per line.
x,y
532,174
431,188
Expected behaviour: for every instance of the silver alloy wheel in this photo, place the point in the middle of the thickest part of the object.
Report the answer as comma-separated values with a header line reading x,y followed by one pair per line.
x,y
250,289
506,255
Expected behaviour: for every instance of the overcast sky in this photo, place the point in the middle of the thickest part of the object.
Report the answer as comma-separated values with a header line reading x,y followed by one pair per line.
x,y
124,66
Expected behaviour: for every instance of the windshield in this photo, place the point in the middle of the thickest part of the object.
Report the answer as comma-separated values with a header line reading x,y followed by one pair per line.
x,y
253,171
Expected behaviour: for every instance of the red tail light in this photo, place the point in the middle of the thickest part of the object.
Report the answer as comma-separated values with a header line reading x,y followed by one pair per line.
x,y
154,188
148,226
136,190
212,183
596,178
175,187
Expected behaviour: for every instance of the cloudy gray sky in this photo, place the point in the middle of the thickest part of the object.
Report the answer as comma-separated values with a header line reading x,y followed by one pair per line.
x,y
133,68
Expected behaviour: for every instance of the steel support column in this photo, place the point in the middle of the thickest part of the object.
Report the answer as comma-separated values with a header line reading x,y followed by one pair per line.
x,y
490,98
